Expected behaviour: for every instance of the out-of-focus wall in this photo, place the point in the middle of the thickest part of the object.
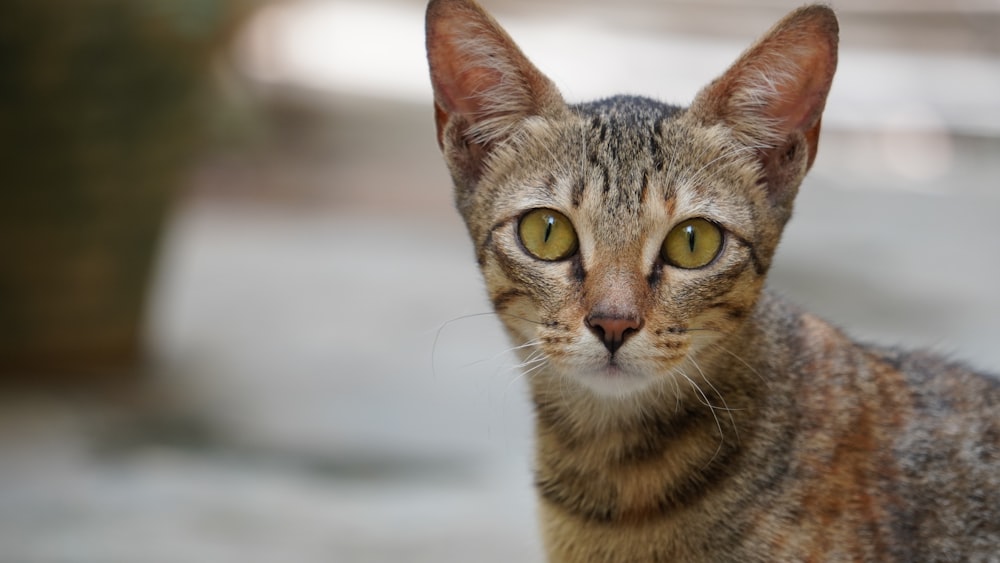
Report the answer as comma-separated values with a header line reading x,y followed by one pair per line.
x,y
102,107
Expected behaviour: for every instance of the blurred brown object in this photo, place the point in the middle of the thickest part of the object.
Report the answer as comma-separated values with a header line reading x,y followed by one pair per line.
x,y
102,107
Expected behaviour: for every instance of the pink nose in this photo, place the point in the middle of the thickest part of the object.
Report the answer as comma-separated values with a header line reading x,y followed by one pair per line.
x,y
613,331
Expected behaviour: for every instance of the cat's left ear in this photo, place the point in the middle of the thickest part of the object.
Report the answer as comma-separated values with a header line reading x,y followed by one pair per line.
x,y
773,96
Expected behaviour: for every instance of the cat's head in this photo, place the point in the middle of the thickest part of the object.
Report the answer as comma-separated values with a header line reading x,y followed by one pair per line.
x,y
624,238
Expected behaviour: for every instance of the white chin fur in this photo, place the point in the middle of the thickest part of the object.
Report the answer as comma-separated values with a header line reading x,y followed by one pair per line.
x,y
613,383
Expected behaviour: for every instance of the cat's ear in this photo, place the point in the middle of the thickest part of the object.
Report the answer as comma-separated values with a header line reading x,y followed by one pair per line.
x,y
484,87
773,95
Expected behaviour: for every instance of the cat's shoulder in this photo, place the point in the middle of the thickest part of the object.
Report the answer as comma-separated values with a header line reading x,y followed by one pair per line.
x,y
814,339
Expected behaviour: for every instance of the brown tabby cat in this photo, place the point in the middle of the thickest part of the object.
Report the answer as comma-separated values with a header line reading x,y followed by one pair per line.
x,y
683,412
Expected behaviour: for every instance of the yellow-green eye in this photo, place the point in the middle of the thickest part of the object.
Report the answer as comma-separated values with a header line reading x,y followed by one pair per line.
x,y
692,244
547,234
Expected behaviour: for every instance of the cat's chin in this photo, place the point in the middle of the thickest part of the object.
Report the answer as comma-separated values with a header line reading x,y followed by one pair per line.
x,y
613,381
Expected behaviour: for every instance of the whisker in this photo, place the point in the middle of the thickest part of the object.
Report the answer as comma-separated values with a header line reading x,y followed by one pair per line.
x,y
446,324
527,373
536,357
701,329
704,400
440,329
729,411
533,358
677,394
528,344
533,355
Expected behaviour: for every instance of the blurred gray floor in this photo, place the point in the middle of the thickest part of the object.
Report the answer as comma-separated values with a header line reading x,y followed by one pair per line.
x,y
328,386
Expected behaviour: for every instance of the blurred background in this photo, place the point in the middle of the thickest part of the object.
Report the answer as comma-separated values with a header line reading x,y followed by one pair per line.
x,y
240,320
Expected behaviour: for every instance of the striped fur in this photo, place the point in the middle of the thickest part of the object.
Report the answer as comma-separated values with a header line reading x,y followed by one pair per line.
x,y
728,425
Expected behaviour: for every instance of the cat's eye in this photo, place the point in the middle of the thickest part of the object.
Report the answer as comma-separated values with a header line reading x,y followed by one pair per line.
x,y
692,244
547,234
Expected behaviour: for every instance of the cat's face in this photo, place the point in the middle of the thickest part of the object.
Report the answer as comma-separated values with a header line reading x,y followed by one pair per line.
x,y
624,245
623,241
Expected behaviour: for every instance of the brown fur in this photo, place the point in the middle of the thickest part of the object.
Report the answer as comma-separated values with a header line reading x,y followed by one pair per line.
x,y
729,425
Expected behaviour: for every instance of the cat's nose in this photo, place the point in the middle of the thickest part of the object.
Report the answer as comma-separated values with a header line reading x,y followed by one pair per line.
x,y
613,331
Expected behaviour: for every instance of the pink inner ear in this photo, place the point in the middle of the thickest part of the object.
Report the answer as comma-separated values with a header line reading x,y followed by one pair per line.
x,y
457,84
480,77
445,74
450,26
472,60
799,102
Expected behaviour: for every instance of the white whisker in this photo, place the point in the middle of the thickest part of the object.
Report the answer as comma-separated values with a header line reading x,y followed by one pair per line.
x,y
498,355
527,372
725,405
440,329
704,400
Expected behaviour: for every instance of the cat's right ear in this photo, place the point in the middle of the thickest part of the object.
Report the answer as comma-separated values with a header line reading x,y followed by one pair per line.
x,y
484,87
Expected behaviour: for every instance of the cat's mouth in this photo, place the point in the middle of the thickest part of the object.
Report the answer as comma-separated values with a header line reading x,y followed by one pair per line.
x,y
617,368
614,370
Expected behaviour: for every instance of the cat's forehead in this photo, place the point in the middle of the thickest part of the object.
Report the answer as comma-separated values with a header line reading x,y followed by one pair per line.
x,y
622,150
640,155
627,112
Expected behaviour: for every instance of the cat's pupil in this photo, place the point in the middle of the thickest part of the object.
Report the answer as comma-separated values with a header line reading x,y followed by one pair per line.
x,y
689,230
549,224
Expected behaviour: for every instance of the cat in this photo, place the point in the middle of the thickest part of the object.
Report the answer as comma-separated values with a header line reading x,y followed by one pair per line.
x,y
683,412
